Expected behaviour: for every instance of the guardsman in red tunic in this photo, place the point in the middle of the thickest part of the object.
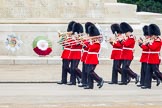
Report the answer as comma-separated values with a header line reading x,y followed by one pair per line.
x,y
127,54
75,53
92,58
154,47
145,56
116,54
84,79
65,55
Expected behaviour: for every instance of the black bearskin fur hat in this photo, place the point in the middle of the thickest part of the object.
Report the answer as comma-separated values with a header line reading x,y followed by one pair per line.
x,y
125,27
154,30
145,30
70,26
77,28
93,31
87,24
115,28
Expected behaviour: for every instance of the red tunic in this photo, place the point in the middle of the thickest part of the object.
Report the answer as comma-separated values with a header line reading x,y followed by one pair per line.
x,y
85,51
92,56
128,46
154,49
117,51
75,52
145,54
66,51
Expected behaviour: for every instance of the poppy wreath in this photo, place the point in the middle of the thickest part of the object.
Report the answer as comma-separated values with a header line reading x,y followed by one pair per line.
x,y
13,42
42,46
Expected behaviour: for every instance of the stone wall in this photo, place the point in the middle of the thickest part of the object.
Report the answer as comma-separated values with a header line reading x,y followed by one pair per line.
x,y
32,18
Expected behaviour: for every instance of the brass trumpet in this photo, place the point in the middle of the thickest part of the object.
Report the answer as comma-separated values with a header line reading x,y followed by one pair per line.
x,y
145,41
64,34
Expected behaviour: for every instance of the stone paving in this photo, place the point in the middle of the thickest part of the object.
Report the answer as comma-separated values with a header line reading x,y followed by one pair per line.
x,y
51,95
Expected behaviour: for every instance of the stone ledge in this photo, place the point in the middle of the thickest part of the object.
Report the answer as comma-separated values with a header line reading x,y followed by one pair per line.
x,y
56,60
148,17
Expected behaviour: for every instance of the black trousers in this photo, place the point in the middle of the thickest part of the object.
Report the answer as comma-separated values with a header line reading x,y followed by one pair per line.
x,y
116,68
65,69
74,71
126,71
84,74
149,74
92,75
143,72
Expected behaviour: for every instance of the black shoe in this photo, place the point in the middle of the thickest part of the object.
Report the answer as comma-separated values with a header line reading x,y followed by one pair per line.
x,y
144,87
70,83
137,79
139,85
122,83
61,82
101,83
87,87
112,83
157,82
82,85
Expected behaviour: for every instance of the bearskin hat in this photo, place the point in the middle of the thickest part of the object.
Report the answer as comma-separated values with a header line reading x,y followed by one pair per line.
x,y
145,30
77,28
93,31
87,25
154,30
115,28
70,26
125,27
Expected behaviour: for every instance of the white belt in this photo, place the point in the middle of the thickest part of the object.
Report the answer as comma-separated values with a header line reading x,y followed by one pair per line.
x,y
85,51
150,52
117,49
67,48
128,48
92,53
75,50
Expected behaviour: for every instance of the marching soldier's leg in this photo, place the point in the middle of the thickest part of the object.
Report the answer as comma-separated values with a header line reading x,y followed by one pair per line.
x,y
119,66
72,71
142,78
124,73
68,69
95,77
90,79
84,76
159,73
156,74
78,73
148,77
65,70
131,73
155,77
120,70
115,72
